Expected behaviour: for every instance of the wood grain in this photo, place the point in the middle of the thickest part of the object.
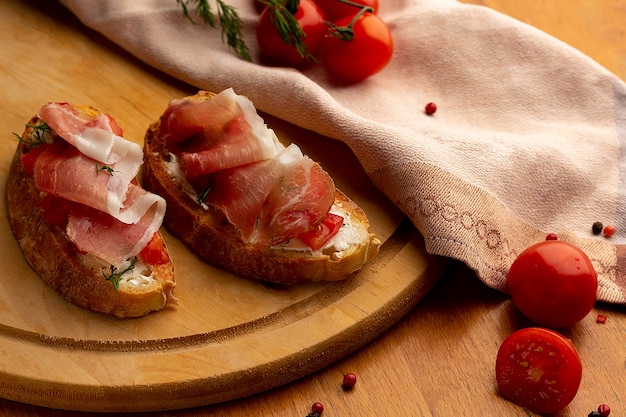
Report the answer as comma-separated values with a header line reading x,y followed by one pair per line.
x,y
438,360
228,337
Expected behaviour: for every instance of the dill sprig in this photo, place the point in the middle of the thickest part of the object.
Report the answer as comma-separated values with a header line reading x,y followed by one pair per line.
x,y
115,276
200,197
282,16
37,135
289,29
106,168
229,19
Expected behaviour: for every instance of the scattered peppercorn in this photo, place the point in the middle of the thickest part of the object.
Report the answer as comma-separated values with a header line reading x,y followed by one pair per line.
x,y
313,414
601,318
317,408
594,414
596,228
552,236
349,380
604,410
609,230
430,108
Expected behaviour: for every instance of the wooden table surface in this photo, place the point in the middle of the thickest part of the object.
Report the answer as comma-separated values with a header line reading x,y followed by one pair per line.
x,y
439,359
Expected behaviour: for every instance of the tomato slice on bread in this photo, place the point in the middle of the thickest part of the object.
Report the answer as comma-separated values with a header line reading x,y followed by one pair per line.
x,y
323,232
538,369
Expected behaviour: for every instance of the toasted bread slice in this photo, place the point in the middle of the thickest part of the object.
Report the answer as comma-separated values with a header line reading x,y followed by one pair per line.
x,y
205,230
78,277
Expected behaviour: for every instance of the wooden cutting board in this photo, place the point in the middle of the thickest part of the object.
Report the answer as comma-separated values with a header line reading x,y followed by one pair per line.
x,y
229,337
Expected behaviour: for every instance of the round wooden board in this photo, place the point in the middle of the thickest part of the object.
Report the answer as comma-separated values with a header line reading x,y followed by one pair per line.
x,y
229,337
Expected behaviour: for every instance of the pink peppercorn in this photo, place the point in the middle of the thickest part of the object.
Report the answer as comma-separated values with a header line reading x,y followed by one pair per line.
x,y
601,319
349,380
317,408
609,230
604,410
430,108
552,236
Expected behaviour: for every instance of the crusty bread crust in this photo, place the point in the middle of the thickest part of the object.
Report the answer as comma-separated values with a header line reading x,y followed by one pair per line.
x,y
207,232
77,277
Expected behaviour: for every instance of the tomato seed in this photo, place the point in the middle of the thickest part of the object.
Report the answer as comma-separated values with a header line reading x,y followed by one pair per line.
x,y
317,408
430,108
609,230
604,410
349,380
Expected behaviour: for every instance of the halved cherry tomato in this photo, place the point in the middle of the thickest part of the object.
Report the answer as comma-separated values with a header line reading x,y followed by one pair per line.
x,y
367,53
56,210
335,9
29,158
313,22
155,253
328,228
553,283
538,369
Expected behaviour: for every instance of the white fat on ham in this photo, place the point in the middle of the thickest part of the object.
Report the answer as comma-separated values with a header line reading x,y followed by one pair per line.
x,y
264,135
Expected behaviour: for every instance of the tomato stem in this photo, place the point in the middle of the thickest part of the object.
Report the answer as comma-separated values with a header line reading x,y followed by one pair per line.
x,y
346,33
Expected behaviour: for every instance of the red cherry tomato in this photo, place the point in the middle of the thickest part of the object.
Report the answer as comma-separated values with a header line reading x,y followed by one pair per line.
x,y
366,54
553,283
538,369
335,9
258,6
276,51
328,228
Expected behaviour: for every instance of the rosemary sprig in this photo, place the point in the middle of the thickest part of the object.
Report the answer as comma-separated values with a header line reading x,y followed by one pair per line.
x,y
230,23
115,277
38,134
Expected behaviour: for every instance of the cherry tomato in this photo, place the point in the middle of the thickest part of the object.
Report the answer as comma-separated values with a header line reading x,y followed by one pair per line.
x,y
335,9
538,369
328,228
313,22
366,54
258,6
553,283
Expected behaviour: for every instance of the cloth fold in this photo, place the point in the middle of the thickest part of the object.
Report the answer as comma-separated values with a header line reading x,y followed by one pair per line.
x,y
529,137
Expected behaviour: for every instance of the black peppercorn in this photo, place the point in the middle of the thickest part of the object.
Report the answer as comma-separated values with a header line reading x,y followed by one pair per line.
x,y
597,227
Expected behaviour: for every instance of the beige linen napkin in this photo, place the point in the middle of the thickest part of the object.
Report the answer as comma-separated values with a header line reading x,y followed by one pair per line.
x,y
529,137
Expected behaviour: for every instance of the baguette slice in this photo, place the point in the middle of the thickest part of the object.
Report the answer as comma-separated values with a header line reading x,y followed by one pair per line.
x,y
206,230
80,278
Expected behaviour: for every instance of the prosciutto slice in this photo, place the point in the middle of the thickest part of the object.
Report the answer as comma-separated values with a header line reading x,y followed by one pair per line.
x,y
95,167
216,134
106,237
274,200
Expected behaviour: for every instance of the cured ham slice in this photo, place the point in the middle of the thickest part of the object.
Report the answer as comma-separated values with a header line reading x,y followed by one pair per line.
x,y
106,237
98,137
274,200
93,166
216,134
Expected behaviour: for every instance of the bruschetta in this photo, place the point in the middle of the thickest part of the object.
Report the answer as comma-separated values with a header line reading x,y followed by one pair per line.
x,y
81,219
246,203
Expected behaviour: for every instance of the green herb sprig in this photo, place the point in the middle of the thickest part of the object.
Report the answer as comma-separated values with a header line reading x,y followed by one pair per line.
x,y
282,16
230,23
106,168
115,276
38,134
